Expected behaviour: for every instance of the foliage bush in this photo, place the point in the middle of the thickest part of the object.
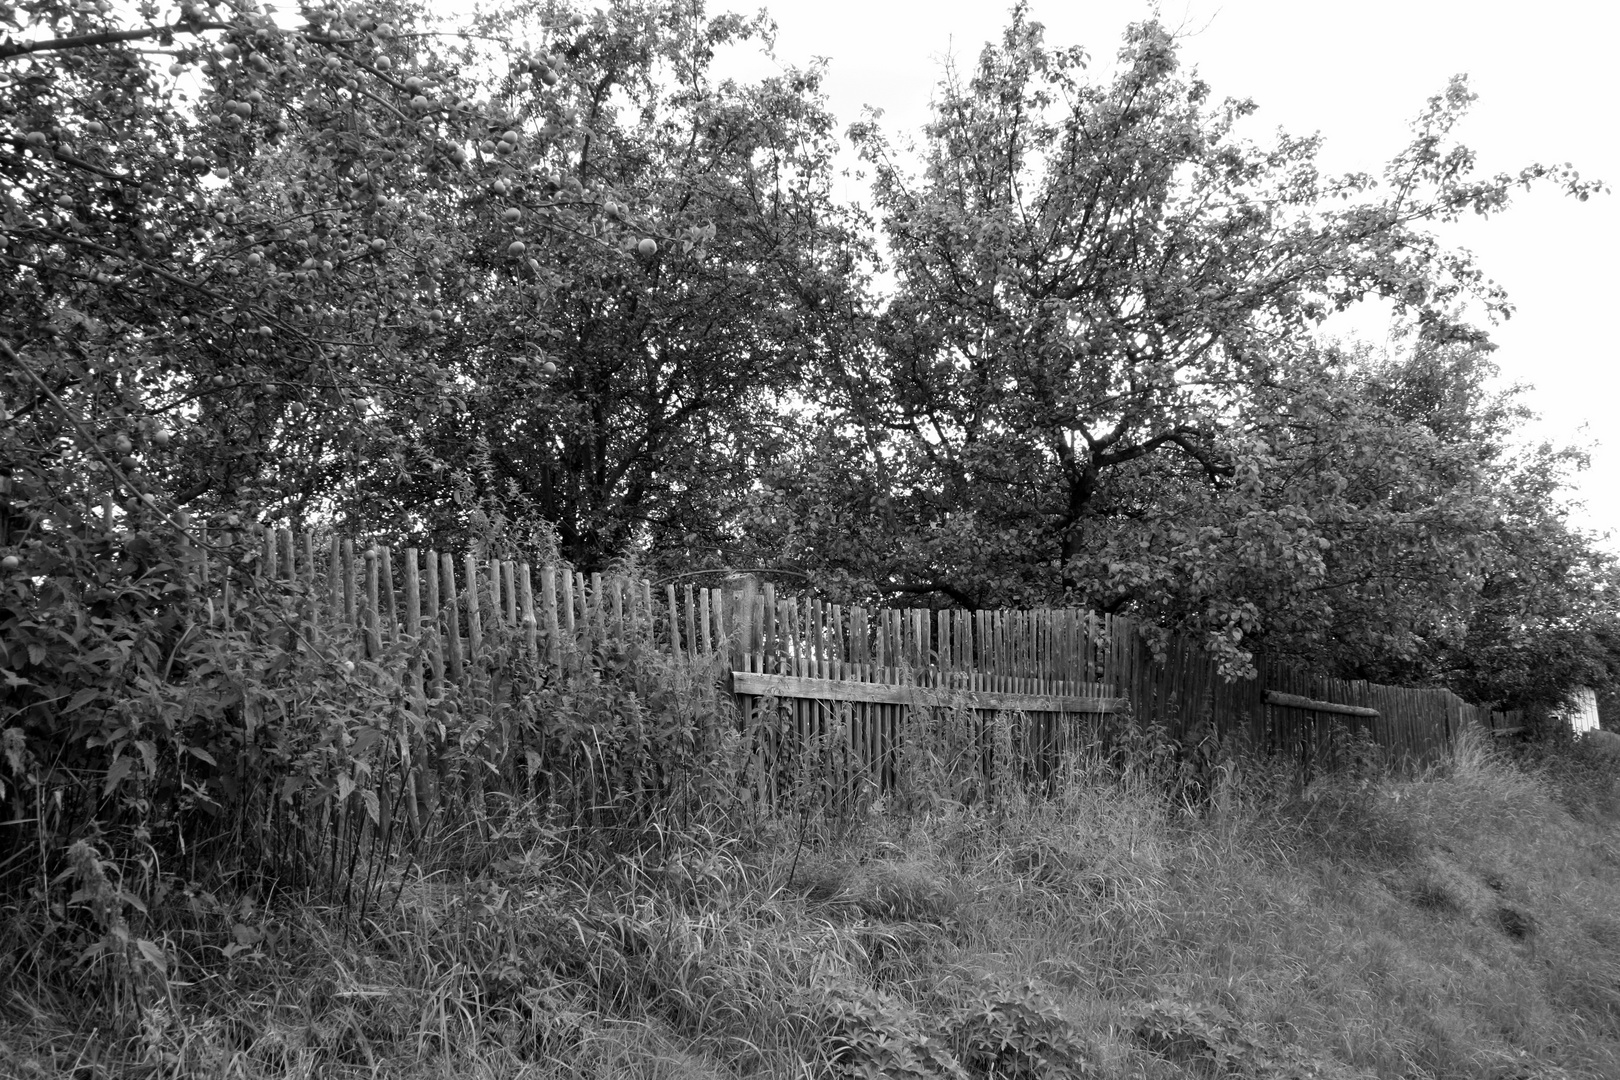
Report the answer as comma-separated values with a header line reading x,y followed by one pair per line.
x,y
1001,1030
871,1032
983,1030
1205,1040
1581,774
145,722
159,744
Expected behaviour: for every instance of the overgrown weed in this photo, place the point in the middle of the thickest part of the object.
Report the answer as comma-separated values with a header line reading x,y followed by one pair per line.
x,y
1354,924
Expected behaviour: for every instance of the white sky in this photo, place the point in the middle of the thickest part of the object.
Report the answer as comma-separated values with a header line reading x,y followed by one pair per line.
x,y
1357,73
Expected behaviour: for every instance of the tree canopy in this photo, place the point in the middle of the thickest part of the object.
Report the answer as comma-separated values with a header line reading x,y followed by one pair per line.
x,y
1099,379
546,274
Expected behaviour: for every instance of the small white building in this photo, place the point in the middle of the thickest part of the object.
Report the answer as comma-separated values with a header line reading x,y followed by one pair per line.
x,y
1580,710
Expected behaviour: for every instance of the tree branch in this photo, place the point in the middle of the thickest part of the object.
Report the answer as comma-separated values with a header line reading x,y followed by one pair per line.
x,y
107,37
922,587
1180,437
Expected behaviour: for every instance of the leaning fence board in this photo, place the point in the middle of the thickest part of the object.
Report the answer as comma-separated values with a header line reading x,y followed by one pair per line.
x,y
1295,701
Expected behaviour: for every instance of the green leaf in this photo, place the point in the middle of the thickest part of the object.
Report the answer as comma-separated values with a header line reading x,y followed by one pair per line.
x,y
116,773
153,955
148,753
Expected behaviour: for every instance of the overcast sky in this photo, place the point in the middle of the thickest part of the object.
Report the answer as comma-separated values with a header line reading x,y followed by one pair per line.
x,y
1358,74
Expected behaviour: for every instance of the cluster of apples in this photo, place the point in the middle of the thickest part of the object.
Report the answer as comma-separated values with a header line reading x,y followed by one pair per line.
x,y
545,67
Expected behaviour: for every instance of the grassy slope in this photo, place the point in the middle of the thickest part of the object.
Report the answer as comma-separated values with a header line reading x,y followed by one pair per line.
x,y
1458,925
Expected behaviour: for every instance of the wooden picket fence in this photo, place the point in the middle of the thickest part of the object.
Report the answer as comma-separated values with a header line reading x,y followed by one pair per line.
x,y
1065,673
848,681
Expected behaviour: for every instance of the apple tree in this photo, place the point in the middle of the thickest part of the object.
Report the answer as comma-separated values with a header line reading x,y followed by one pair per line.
x,y
1086,385
207,254
694,268
1541,612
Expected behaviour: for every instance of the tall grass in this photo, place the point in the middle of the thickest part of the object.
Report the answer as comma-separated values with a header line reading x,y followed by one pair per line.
x,y
1456,923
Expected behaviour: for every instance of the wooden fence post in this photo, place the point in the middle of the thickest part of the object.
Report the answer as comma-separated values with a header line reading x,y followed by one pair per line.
x,y
691,624
531,624
548,601
475,622
568,606
703,621
373,633
430,625
675,648
312,598
413,621
351,617
451,613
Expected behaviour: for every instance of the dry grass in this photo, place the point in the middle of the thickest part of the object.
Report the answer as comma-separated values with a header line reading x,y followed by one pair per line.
x,y
1459,924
